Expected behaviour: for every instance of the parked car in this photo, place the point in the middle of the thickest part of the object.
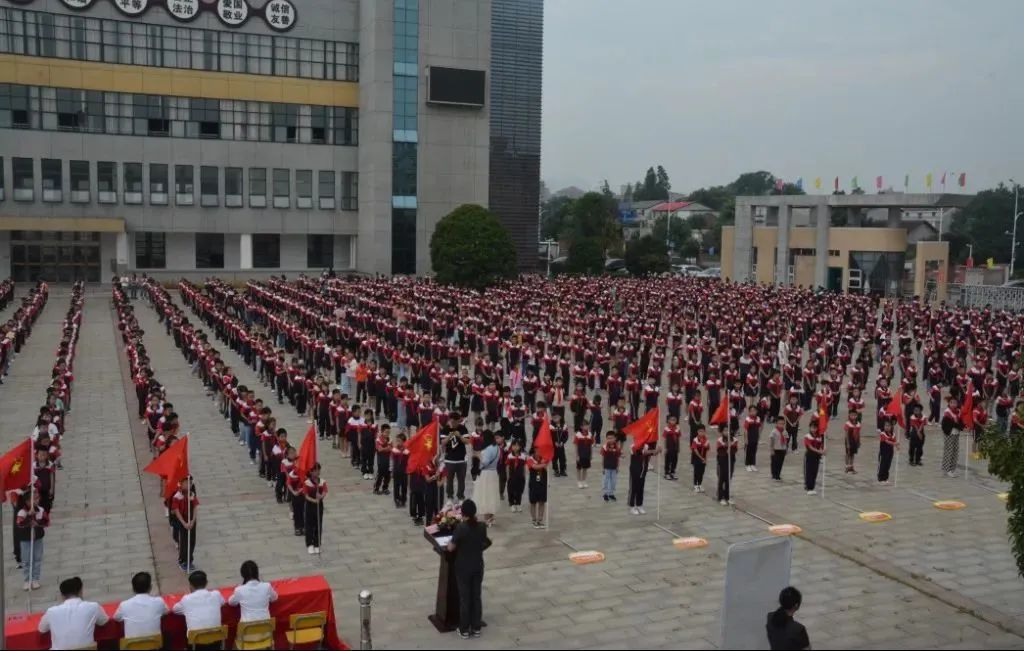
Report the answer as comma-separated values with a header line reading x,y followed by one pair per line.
x,y
686,269
711,272
1014,283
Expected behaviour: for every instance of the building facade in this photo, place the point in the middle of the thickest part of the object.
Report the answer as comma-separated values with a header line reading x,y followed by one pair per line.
x,y
238,137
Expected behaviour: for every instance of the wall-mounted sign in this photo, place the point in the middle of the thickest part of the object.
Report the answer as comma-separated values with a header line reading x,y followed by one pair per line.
x,y
279,15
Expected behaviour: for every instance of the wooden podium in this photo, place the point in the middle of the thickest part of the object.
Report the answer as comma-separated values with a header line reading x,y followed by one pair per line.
x,y
446,608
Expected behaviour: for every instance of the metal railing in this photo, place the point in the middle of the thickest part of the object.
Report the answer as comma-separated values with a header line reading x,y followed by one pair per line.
x,y
995,296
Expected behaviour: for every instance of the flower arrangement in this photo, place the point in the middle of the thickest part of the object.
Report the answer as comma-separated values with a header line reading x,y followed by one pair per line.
x,y
448,518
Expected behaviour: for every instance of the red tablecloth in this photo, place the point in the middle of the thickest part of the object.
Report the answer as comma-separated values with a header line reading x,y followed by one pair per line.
x,y
307,594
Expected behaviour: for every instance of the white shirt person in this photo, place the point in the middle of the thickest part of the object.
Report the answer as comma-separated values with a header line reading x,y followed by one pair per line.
x,y
72,623
253,596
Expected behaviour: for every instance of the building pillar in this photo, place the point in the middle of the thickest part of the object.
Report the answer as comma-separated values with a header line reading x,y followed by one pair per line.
x,y
824,217
245,251
743,242
894,217
352,241
782,247
121,252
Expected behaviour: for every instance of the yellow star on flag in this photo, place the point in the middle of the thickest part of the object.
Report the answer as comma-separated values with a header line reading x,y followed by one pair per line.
x,y
16,468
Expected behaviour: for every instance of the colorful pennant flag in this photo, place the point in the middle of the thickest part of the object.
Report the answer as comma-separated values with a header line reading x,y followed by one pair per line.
x,y
778,184
836,184
800,183
962,181
422,447
817,183
645,430
15,468
906,182
878,182
172,466
928,180
544,443
854,184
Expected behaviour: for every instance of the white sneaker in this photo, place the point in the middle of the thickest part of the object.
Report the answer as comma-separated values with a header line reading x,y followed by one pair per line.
x,y
316,550
883,483
310,549
754,468
696,489
749,469
723,502
25,586
241,442
585,485
812,492
700,489
641,510
731,502
252,462
952,475
634,511
579,484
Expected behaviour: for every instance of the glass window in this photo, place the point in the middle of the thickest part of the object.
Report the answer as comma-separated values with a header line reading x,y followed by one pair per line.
x,y
14,106
24,179
346,126
184,185
151,115
80,184
349,190
106,181
304,188
133,178
233,187
204,118
318,125
53,179
266,251
209,185
285,122
403,169
403,241
320,251
282,191
325,189
209,250
1,178
257,187
150,251
158,184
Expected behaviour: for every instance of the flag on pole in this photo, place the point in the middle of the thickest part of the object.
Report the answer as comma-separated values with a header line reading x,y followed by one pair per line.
x,y
543,442
878,182
854,184
800,183
836,184
928,180
895,408
906,182
778,184
16,468
644,430
172,466
822,420
307,454
962,181
990,263
422,447
943,180
967,412
817,183
721,415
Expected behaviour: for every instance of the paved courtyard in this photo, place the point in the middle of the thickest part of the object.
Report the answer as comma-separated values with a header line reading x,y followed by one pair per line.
x,y
927,578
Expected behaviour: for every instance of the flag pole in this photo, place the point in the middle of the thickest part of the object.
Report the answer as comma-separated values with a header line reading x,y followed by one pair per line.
x,y
188,503
3,578
824,462
32,517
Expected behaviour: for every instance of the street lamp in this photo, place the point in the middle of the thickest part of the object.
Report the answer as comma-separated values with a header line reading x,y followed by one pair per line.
x,y
1013,239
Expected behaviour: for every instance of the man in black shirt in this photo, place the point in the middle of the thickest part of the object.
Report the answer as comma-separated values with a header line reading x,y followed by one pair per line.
x,y
784,632
454,441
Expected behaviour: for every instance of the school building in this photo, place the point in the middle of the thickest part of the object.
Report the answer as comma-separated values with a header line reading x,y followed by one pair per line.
x,y
798,240
243,138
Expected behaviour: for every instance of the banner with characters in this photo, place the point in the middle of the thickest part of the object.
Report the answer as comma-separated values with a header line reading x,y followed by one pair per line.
x,y
279,15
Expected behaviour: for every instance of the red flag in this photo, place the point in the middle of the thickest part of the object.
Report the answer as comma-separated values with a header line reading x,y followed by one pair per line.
x,y
967,412
643,431
172,465
943,179
543,442
16,468
878,182
895,408
307,454
422,447
822,421
721,415
836,184
963,179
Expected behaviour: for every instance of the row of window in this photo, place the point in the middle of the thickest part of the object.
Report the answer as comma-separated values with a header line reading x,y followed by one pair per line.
x,y
151,251
133,114
83,38
309,184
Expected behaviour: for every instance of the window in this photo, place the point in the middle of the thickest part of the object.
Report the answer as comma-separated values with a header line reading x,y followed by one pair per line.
x,y
209,250
106,182
325,189
14,106
349,190
346,126
2,197
80,184
53,181
133,183
319,251
158,184
233,187
151,115
77,110
257,187
24,179
150,251
304,188
403,169
284,118
403,241
266,251
204,118
318,125
282,192
184,185
209,186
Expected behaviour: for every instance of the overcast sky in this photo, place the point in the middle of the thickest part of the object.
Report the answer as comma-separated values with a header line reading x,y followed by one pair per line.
x,y
802,88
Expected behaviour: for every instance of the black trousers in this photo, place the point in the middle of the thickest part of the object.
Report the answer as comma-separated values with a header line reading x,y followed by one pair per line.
x,y
811,463
884,461
456,471
279,490
470,602
916,448
516,485
383,477
502,480
314,517
401,492
366,454
751,451
298,511
671,459
698,472
724,478
432,500
559,461
187,543
778,458
636,487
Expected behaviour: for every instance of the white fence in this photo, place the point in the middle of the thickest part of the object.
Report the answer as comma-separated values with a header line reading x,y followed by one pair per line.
x,y
995,296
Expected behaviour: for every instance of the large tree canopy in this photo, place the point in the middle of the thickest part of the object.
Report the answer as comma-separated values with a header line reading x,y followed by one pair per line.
x,y
985,223
471,248
646,256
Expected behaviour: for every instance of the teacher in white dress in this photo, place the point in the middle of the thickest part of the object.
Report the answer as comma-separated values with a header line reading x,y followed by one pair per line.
x,y
486,487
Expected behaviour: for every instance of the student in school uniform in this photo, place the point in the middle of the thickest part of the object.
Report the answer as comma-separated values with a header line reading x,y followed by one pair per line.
x,y
283,471
695,412
314,489
515,465
752,429
672,437
277,453
560,438
888,442
639,463
186,518
399,465
726,448
30,522
293,487
779,444
611,453
353,432
792,414
436,476
584,442
915,434
814,445
699,447
538,488
367,444
384,447
596,418
851,429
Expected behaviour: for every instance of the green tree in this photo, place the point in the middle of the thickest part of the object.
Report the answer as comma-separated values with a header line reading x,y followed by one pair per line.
x,y
753,184
663,182
554,217
606,190
715,197
985,222
586,256
595,216
646,256
680,234
1005,456
654,186
471,248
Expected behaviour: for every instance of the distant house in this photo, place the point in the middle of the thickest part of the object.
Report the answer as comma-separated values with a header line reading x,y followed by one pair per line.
x,y
920,231
647,212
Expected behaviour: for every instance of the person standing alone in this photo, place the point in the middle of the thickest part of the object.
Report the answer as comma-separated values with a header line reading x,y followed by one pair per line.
x,y
469,543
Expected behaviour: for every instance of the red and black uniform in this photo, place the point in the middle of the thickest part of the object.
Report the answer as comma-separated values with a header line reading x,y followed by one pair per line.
x,y
314,509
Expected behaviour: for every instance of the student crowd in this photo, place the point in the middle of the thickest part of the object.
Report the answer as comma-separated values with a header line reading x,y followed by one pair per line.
x,y
17,329
32,504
